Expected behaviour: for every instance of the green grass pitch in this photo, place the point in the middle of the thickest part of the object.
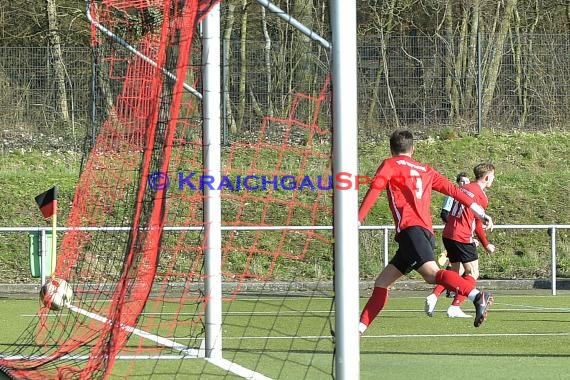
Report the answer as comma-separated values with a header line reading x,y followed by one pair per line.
x,y
527,336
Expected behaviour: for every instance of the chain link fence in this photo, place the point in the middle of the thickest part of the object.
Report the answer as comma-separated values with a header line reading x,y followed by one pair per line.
x,y
29,114
430,82
424,83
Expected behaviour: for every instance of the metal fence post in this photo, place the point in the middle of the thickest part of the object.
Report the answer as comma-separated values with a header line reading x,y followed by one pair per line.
x,y
43,246
385,247
553,250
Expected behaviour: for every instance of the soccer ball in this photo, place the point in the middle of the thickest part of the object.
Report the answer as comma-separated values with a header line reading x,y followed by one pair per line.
x,y
56,293
442,259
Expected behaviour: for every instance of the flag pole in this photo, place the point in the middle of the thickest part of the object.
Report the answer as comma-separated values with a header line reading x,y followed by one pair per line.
x,y
54,237
47,202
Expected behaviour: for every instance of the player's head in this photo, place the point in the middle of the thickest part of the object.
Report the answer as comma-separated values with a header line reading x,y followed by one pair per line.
x,y
484,173
401,142
462,179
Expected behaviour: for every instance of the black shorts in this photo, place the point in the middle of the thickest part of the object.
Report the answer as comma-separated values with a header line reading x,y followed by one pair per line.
x,y
460,252
416,247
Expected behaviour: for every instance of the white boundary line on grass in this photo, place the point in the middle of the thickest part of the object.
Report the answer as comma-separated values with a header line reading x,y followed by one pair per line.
x,y
85,357
143,334
312,313
397,336
237,369
219,362
191,352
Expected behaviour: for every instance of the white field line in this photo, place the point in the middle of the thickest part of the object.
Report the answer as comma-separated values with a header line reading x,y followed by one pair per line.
x,y
399,336
85,357
513,307
236,369
143,334
249,374
189,352
531,308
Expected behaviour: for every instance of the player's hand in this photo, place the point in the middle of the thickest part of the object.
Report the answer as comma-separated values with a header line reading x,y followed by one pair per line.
x,y
490,248
359,223
488,223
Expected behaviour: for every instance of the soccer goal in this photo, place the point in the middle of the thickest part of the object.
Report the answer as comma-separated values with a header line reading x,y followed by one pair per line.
x,y
194,252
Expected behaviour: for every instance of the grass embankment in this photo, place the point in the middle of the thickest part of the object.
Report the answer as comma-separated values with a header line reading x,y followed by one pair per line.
x,y
532,187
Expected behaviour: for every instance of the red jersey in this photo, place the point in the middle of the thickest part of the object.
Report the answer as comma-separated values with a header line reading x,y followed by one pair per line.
x,y
409,185
462,222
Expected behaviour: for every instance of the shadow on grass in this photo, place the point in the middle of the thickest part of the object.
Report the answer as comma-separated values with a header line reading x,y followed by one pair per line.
x,y
561,284
470,354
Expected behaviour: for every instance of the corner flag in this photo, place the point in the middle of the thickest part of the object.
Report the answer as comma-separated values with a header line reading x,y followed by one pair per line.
x,y
47,202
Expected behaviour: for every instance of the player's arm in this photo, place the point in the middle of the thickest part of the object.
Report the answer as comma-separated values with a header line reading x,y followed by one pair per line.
x,y
444,186
444,214
446,208
377,185
480,232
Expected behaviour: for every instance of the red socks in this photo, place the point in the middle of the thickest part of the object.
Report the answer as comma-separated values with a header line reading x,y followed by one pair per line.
x,y
374,305
438,290
458,300
446,279
453,281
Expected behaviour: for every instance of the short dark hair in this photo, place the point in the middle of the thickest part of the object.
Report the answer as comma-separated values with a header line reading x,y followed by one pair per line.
x,y
401,141
461,175
482,169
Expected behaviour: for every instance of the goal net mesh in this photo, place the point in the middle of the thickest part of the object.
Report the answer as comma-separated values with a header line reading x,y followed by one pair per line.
x,y
135,248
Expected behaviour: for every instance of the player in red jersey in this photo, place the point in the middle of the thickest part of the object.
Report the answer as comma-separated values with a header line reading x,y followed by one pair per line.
x,y
462,179
458,238
409,184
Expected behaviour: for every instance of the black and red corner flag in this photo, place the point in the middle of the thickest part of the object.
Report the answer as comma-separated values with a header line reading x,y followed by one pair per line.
x,y
47,202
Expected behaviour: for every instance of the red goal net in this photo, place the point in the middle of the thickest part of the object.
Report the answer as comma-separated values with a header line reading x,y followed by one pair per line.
x,y
135,247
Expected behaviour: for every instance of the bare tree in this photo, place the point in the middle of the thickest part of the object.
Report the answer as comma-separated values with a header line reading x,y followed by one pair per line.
x,y
459,65
267,57
496,56
58,64
383,24
522,47
568,14
228,29
471,61
301,46
243,64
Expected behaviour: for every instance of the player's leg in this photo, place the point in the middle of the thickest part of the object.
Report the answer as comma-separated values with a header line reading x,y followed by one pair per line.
x,y
419,244
400,265
466,253
465,287
481,300
431,300
449,279
450,293
389,275
471,274
443,262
